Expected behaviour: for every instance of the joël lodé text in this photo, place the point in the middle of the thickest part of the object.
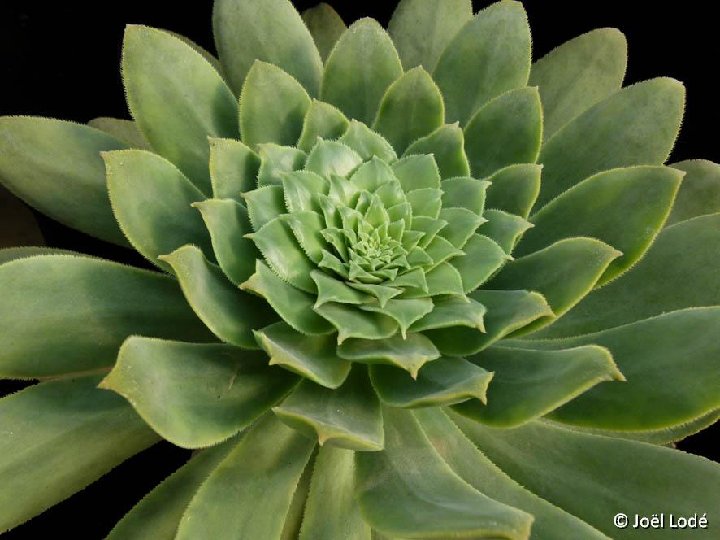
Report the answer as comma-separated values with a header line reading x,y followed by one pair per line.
x,y
669,521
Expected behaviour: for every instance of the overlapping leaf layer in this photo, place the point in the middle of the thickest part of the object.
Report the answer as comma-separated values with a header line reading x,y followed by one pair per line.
x,y
410,284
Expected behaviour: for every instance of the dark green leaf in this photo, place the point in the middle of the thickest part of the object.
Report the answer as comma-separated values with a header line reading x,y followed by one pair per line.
x,y
699,192
514,189
126,131
447,145
233,168
325,26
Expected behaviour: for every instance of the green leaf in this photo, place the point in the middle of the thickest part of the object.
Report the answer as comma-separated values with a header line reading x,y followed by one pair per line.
x,y
23,252
411,108
471,465
293,520
636,126
354,323
372,174
55,167
529,384
264,204
272,106
422,29
684,258
506,131
177,99
405,311
447,145
444,279
462,224
332,157
368,143
58,437
17,223
592,477
625,208
507,311
313,357
576,75
699,192
276,161
325,26
414,494
332,290
453,311
136,177
126,131
514,189
229,313
464,192
196,395
294,306
417,172
409,353
563,273
489,56
300,188
233,168
214,62
228,223
483,257
331,511
444,381
347,417
83,308
267,30
261,472
671,365
504,228
157,515
360,68
321,121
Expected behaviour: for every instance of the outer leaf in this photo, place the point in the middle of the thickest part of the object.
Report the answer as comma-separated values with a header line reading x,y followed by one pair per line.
x,y
55,166
196,395
23,252
624,208
313,357
514,189
83,308
579,73
272,106
360,68
331,511
506,131
325,26
447,145
348,417
229,313
411,108
592,476
157,515
152,202
67,426
233,168
529,384
123,130
489,56
700,190
177,99
409,491
504,228
321,121
409,353
267,30
482,259
261,472
422,29
636,126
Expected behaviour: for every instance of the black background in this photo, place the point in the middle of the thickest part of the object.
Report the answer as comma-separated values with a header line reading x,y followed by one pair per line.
x,y
60,59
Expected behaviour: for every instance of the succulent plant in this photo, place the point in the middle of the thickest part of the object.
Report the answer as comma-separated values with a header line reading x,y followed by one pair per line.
x,y
409,285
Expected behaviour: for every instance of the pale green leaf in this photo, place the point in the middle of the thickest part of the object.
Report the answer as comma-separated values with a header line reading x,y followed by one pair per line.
x,y
276,161
367,142
447,145
126,131
332,157
699,192
453,311
233,168
464,192
409,353
321,121
354,323
504,228
514,189
483,257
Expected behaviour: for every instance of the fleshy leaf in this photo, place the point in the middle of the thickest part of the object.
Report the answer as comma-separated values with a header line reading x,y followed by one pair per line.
x,y
325,26
267,30
229,313
529,384
321,121
636,126
332,157
360,68
276,161
447,145
444,279
514,189
408,491
422,29
569,469
67,426
177,99
55,166
576,75
272,106
506,131
261,472
405,311
699,192
264,204
453,311
347,417
332,290
23,252
196,395
84,308
313,357
409,353
233,168
464,192
300,188
126,131
483,257
444,381
411,108
489,56
354,323
462,224
367,142
136,177
504,228
507,311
